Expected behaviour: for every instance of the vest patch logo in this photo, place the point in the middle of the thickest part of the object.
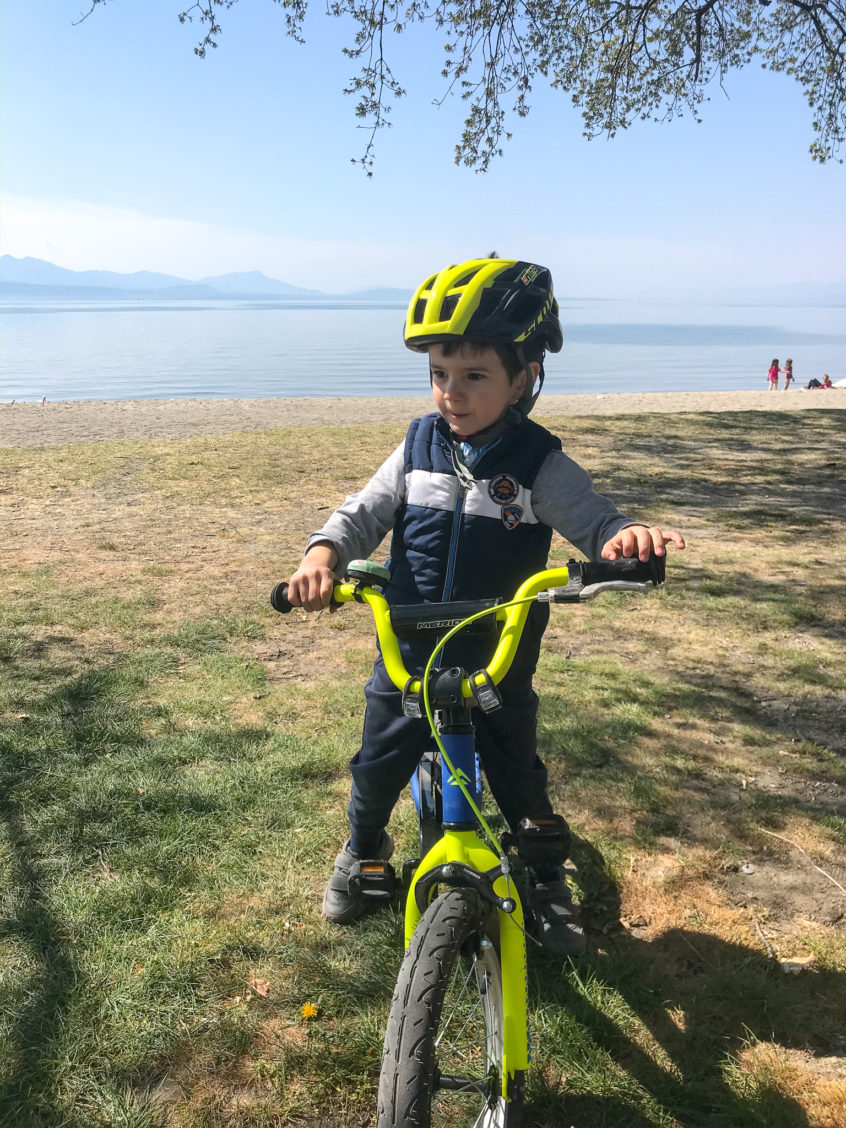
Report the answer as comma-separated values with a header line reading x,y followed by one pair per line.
x,y
511,515
504,488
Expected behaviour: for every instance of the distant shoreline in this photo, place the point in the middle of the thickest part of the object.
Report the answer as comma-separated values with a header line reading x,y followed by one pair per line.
x,y
50,424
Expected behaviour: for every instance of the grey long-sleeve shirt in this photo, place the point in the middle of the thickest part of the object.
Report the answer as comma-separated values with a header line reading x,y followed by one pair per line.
x,y
562,497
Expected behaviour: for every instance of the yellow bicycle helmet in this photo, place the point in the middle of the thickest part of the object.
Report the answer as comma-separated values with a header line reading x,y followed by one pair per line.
x,y
493,300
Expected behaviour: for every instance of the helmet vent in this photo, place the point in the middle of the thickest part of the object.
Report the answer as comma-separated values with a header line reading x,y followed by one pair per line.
x,y
447,306
419,311
465,278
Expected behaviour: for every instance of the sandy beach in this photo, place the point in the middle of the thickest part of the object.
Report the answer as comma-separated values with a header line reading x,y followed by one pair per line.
x,y
49,424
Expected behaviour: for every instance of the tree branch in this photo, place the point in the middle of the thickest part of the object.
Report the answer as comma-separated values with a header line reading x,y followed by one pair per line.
x,y
619,60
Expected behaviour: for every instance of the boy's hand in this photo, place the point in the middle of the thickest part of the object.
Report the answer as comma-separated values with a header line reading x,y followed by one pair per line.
x,y
311,585
641,541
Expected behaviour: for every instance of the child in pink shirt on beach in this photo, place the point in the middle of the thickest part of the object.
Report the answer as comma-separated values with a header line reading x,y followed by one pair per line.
x,y
772,375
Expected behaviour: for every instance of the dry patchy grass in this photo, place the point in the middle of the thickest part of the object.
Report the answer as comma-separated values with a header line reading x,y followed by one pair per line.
x,y
695,739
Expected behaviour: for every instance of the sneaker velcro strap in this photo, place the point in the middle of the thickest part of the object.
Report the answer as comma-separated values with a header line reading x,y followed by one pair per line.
x,y
372,877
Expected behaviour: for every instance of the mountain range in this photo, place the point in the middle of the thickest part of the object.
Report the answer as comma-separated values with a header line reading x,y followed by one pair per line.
x,y
37,278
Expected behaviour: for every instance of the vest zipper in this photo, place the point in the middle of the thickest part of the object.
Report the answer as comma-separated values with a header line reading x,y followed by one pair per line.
x,y
465,481
453,540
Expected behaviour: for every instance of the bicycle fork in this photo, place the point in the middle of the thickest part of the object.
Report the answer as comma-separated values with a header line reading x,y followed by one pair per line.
x,y
461,859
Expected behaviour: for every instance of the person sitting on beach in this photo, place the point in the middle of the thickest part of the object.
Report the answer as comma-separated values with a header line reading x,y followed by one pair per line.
x,y
471,496
788,373
826,382
772,374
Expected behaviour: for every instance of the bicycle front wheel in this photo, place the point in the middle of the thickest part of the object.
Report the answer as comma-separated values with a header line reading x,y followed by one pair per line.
x,y
443,1057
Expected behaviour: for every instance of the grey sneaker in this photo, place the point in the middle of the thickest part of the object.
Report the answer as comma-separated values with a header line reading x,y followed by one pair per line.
x,y
343,901
557,923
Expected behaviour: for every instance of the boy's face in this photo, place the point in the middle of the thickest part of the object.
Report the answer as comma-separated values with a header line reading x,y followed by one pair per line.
x,y
471,387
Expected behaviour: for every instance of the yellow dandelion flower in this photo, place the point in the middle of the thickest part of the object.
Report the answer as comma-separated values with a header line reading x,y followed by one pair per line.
x,y
308,1010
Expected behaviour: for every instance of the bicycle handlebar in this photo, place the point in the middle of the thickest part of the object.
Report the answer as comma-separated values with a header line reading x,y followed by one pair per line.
x,y
575,583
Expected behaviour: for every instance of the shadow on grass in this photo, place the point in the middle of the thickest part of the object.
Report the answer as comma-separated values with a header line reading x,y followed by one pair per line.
x,y
817,718
140,855
753,601
104,832
86,717
742,599
33,929
701,999
701,807
101,714
595,745
783,466
34,1044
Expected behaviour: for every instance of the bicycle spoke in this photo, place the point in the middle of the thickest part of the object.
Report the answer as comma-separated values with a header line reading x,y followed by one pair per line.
x,y
454,1044
480,1119
468,1037
474,1009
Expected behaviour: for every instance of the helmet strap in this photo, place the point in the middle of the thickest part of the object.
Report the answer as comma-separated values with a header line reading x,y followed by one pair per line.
x,y
528,400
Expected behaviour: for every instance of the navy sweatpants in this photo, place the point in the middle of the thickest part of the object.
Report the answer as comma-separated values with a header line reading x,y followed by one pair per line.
x,y
392,745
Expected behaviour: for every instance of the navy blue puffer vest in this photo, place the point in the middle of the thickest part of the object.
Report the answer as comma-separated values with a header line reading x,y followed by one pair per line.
x,y
449,543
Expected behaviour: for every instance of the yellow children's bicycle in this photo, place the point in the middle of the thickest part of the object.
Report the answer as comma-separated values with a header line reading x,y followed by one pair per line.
x,y
457,1041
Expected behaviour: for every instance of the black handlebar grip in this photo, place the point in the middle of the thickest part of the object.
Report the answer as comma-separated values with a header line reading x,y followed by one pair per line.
x,y
280,602
279,599
626,568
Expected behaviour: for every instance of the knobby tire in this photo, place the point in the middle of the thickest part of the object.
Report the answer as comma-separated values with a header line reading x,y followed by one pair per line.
x,y
445,1028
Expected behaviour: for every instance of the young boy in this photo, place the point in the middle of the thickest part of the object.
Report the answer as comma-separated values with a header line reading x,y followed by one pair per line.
x,y
471,495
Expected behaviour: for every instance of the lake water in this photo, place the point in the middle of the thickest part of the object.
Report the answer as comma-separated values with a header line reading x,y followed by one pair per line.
x,y
147,350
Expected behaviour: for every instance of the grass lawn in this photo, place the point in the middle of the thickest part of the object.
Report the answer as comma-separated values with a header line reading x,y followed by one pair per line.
x,y
174,782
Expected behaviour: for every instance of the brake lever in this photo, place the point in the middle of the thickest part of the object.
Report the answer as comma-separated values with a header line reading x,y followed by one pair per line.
x,y
574,592
591,591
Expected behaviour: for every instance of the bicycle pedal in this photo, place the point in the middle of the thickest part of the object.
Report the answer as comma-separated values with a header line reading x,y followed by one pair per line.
x,y
374,878
541,841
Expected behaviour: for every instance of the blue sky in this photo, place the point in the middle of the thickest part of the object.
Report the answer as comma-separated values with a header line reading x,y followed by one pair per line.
x,y
122,151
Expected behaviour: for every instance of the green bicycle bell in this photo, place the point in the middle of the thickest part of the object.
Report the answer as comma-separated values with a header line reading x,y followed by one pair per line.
x,y
368,572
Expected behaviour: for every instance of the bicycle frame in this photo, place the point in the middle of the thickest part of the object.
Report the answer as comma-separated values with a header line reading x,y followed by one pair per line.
x,y
461,849
459,857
